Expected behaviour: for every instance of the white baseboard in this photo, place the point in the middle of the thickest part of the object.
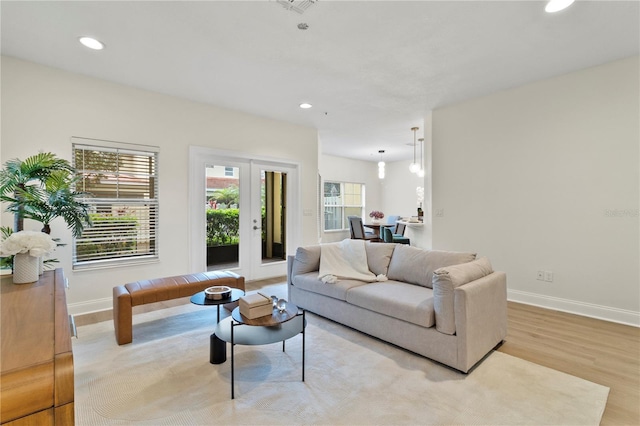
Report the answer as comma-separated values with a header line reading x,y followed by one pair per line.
x,y
90,306
606,313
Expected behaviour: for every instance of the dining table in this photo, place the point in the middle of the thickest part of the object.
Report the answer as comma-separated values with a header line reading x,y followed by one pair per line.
x,y
377,228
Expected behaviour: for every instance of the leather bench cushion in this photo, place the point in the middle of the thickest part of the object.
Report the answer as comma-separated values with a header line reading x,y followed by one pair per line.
x,y
159,289
407,302
338,290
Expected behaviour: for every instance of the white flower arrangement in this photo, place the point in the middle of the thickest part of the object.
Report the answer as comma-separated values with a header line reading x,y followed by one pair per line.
x,y
34,243
420,194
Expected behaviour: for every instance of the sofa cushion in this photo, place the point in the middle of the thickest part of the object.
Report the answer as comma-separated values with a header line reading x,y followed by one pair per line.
x,y
415,266
445,280
406,302
337,290
307,259
379,256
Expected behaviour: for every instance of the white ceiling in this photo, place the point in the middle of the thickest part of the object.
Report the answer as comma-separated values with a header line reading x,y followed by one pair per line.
x,y
371,69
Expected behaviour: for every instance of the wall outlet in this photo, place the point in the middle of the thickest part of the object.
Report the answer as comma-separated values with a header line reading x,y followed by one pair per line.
x,y
439,212
540,276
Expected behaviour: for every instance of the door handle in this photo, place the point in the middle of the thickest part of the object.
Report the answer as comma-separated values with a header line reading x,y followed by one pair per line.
x,y
255,228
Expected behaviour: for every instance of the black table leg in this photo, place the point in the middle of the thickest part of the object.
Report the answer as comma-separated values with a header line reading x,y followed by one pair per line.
x,y
232,345
217,350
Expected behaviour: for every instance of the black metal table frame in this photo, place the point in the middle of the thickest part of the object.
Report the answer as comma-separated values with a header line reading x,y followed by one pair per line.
x,y
235,324
214,342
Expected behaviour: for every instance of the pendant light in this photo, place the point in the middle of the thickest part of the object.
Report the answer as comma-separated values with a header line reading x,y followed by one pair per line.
x,y
381,165
414,167
420,172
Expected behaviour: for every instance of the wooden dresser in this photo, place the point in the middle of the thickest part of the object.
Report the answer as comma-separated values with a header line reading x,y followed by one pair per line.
x,y
36,382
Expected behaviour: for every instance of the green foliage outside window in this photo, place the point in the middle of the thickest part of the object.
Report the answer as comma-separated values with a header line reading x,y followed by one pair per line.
x,y
109,236
223,227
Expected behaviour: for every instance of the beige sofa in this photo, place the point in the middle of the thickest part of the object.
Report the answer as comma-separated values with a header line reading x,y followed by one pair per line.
x,y
448,306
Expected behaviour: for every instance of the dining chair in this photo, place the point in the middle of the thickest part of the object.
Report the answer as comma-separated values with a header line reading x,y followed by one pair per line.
x,y
357,230
392,219
399,229
389,237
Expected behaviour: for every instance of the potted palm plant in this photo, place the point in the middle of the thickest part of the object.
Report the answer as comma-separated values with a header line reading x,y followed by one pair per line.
x,y
41,188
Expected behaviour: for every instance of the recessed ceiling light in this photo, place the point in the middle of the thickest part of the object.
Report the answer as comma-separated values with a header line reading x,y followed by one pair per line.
x,y
91,43
305,105
557,5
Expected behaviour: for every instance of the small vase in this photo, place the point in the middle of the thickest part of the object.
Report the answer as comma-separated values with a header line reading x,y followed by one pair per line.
x,y
25,269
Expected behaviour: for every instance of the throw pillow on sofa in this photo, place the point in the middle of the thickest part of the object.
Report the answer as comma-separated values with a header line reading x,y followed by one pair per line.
x,y
379,256
445,281
307,260
415,266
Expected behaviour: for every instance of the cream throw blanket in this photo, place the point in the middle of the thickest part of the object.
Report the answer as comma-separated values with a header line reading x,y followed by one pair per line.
x,y
345,260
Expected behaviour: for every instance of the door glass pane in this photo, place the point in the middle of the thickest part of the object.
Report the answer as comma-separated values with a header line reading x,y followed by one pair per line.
x,y
273,191
223,217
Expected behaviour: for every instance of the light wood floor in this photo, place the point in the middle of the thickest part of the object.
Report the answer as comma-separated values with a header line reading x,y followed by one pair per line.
x,y
599,351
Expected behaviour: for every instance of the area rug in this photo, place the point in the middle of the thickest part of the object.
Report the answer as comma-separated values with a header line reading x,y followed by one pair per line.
x,y
164,378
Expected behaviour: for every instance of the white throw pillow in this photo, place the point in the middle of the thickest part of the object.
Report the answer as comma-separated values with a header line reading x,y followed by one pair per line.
x,y
307,259
379,256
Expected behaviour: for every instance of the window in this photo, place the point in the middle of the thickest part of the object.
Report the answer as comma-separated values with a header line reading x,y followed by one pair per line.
x,y
121,186
228,171
341,199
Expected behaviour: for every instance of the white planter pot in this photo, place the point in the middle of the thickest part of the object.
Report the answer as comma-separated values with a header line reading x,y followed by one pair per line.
x,y
25,269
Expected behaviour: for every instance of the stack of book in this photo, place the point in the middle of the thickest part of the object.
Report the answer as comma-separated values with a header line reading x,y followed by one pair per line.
x,y
255,305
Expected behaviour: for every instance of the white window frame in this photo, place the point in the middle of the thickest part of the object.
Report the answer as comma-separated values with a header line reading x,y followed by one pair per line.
x,y
342,205
149,233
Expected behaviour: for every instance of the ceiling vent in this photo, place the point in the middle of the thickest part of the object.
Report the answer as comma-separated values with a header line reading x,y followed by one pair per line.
x,y
299,6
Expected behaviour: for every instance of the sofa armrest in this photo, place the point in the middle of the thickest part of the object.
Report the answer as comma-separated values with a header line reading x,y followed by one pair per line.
x,y
481,317
290,260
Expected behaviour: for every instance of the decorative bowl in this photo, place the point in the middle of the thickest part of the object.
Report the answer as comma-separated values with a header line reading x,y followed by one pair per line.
x,y
218,292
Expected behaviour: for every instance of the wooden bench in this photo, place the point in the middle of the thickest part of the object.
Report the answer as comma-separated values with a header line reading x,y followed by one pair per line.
x,y
125,297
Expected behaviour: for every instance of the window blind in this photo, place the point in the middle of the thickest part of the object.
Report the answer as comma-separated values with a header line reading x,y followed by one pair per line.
x,y
120,183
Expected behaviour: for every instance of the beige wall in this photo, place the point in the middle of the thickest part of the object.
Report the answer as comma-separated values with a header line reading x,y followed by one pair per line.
x,y
43,107
541,177
546,177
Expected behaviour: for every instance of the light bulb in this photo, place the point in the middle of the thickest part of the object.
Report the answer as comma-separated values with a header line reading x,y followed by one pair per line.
x,y
91,43
414,167
557,5
421,173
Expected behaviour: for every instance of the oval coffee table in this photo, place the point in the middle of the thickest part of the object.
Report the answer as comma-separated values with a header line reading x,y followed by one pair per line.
x,y
277,327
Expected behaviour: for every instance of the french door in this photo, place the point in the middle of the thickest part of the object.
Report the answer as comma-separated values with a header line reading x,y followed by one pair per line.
x,y
248,225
